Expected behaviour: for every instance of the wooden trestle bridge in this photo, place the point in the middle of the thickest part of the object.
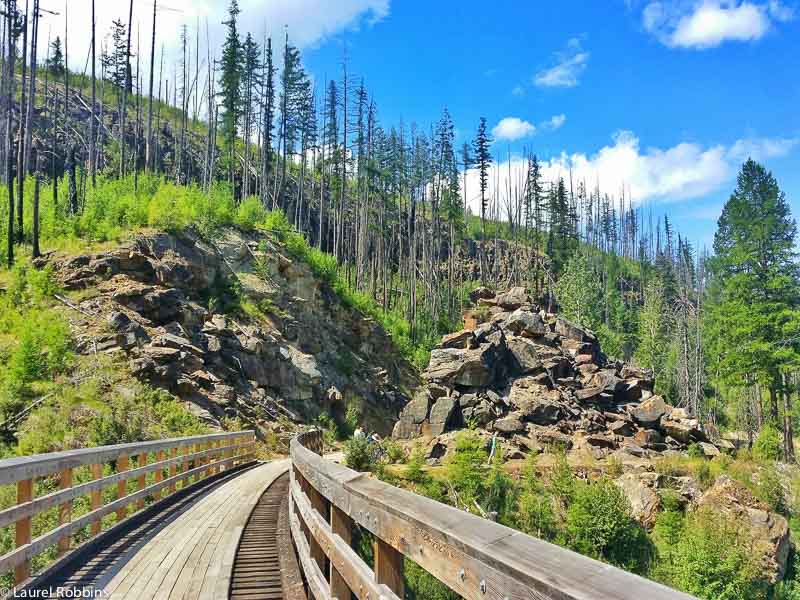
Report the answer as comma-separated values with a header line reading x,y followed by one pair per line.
x,y
200,518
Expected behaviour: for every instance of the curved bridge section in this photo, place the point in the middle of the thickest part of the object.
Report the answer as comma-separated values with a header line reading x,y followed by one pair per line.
x,y
475,558
199,518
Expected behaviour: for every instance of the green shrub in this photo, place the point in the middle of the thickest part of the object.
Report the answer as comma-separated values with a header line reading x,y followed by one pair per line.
x,y
421,585
395,453
250,213
416,465
770,490
599,524
535,514
712,560
500,493
705,477
562,481
357,454
768,444
466,468
695,451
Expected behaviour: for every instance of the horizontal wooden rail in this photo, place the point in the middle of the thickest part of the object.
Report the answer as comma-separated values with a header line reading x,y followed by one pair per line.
x,y
476,558
193,457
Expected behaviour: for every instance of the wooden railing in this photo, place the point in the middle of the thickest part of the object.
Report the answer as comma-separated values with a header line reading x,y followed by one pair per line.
x,y
474,557
172,461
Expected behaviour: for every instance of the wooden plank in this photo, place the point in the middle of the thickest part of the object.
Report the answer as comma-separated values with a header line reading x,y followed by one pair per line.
x,y
22,531
341,525
142,479
97,498
173,470
64,510
122,487
316,580
41,465
389,567
159,476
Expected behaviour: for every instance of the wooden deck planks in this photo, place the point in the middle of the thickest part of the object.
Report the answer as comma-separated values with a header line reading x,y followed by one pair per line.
x,y
191,555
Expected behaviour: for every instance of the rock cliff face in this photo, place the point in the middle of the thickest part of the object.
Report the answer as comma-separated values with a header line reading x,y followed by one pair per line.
x,y
535,379
166,304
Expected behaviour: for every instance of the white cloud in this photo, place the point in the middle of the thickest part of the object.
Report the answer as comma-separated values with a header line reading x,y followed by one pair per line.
x,y
570,64
703,24
554,122
309,23
684,171
513,128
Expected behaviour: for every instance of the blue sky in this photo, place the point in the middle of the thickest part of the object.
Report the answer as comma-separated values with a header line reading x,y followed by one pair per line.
x,y
664,98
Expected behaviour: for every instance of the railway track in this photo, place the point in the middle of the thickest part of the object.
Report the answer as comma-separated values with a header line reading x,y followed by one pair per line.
x,y
257,568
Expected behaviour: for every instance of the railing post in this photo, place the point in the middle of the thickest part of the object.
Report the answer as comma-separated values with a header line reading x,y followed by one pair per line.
x,y
341,525
159,474
22,529
65,509
389,567
198,474
140,462
122,486
320,504
97,498
173,470
185,464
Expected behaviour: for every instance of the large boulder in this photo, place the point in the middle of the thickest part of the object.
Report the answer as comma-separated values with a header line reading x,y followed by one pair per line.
x,y
479,414
649,412
460,339
524,354
768,531
513,298
571,331
445,414
535,402
413,415
469,368
644,501
525,323
511,423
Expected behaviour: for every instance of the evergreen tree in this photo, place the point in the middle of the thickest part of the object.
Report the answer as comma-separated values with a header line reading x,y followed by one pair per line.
x,y
55,64
483,159
753,317
231,84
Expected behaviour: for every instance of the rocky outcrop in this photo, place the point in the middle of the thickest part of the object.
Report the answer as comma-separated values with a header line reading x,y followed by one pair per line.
x,y
535,379
768,531
170,304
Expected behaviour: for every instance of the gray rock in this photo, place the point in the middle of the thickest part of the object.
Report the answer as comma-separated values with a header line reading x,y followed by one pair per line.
x,y
523,351
644,501
572,331
461,339
649,412
513,299
511,423
525,323
444,415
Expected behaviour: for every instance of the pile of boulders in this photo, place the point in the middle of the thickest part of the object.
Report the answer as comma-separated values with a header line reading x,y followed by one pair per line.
x,y
536,379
